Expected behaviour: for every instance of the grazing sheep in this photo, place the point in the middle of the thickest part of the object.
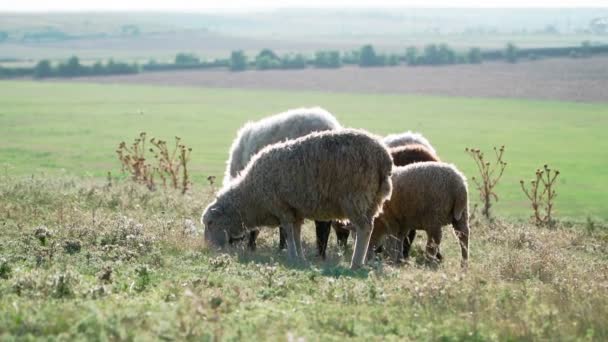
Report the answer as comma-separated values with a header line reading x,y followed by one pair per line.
x,y
426,196
402,156
327,175
254,136
408,138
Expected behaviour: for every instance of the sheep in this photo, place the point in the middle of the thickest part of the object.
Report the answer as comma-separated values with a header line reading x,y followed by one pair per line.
x,y
327,175
426,196
402,156
407,138
254,136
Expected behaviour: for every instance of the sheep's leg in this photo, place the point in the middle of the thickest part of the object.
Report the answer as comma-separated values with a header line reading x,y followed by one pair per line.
x,y
341,236
253,235
282,243
288,229
407,243
393,245
297,234
323,228
462,233
432,243
364,232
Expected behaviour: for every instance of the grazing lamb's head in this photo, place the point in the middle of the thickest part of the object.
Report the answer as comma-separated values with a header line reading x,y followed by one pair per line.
x,y
222,223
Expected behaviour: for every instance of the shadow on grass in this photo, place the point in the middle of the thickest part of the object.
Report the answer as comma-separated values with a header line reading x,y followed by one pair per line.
x,y
269,253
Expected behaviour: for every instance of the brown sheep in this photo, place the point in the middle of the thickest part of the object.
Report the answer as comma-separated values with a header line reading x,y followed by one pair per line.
x,y
426,196
402,156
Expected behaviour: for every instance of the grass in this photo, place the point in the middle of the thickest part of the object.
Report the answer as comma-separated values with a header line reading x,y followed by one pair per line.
x,y
49,127
140,272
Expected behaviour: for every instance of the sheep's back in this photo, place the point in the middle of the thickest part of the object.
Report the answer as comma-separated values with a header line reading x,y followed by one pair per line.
x,y
292,124
424,194
315,173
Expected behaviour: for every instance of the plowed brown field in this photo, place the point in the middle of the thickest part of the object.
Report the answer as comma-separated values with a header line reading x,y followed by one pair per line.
x,y
583,80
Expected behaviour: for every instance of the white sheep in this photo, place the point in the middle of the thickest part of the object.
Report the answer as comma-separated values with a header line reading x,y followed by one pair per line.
x,y
407,138
254,136
326,175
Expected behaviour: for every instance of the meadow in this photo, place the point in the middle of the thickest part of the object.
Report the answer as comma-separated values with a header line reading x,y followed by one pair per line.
x,y
74,129
82,258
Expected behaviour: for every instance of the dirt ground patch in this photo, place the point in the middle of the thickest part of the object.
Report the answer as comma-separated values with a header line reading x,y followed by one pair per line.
x,y
583,80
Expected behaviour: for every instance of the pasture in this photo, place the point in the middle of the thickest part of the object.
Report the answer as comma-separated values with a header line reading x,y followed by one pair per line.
x,y
83,259
74,129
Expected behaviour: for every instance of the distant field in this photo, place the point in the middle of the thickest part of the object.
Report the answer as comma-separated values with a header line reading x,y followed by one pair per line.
x,y
565,79
76,127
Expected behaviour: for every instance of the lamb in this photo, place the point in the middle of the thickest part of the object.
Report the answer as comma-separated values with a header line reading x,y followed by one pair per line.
x,y
254,136
408,138
426,196
326,175
402,156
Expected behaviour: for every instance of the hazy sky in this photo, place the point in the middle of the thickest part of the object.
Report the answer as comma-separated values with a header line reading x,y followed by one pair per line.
x,y
201,5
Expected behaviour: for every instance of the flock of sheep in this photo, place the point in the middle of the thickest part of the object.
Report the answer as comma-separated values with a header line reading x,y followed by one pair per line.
x,y
302,164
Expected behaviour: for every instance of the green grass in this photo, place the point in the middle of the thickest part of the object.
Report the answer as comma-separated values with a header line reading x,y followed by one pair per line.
x,y
138,275
48,127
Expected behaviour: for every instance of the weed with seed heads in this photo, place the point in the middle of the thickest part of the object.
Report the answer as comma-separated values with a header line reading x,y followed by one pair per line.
x,y
490,173
542,195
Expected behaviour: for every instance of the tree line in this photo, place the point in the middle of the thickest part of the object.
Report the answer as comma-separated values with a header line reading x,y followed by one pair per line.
x,y
266,59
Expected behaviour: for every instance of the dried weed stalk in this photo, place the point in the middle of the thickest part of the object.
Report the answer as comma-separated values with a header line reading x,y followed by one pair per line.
x,y
171,165
542,195
490,175
132,160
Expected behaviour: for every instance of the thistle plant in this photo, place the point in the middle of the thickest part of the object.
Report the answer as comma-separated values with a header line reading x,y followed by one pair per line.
x,y
541,194
132,160
490,174
171,164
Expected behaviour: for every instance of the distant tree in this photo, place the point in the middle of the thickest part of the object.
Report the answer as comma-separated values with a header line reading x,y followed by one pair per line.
x,y
352,57
266,63
446,54
267,59
71,68
585,48
43,69
368,56
392,60
381,60
293,62
474,55
186,59
511,53
238,61
267,53
3,36
410,55
327,59
431,55
98,68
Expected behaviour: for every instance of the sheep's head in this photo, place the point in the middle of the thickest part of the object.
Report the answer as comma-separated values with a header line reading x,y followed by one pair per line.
x,y
222,224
